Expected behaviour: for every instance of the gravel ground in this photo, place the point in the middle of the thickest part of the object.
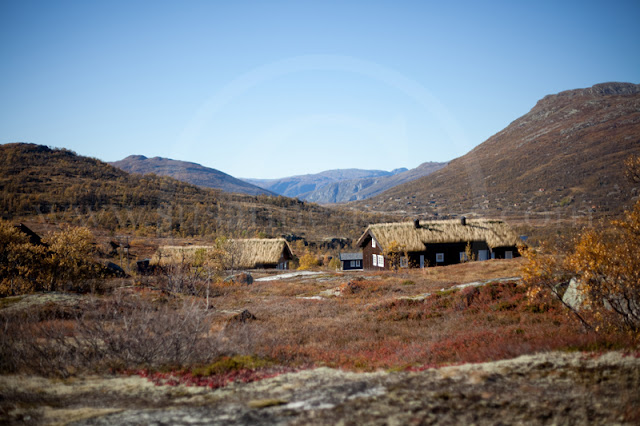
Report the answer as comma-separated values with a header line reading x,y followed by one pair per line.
x,y
547,388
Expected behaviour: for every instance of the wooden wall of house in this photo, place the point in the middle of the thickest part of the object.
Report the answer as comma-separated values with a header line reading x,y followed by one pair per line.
x,y
367,256
451,252
500,252
284,261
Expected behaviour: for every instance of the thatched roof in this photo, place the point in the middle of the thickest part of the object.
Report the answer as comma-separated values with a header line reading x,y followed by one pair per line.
x,y
247,254
495,232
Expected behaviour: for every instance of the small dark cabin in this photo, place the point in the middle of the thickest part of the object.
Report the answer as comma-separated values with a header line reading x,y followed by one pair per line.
x,y
351,261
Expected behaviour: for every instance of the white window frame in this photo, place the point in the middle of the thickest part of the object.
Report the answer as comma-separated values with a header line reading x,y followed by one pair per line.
x,y
375,260
373,243
358,265
439,257
380,261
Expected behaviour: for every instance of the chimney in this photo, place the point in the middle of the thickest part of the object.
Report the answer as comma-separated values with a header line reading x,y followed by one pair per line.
x,y
463,221
416,223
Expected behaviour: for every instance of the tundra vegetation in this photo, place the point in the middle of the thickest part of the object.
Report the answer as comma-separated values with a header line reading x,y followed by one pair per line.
x,y
188,325
61,315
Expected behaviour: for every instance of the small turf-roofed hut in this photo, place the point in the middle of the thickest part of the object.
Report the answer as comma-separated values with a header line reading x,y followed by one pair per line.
x,y
254,253
351,261
435,243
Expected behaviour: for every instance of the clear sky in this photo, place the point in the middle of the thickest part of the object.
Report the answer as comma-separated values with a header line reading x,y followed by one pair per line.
x,y
268,89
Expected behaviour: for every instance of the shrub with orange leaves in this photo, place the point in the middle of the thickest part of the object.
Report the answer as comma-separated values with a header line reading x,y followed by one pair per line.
x,y
606,262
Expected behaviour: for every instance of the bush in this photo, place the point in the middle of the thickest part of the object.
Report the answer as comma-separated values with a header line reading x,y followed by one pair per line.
x,y
606,262
308,261
67,262
335,264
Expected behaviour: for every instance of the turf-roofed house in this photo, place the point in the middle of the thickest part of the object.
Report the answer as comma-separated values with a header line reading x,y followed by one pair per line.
x,y
435,243
253,253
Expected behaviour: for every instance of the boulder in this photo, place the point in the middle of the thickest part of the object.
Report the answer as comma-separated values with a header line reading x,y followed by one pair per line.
x,y
243,316
115,270
241,278
574,296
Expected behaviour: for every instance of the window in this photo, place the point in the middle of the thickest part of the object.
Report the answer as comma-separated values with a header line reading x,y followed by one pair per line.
x,y
404,262
358,265
381,261
352,263
463,256
440,257
508,254
375,260
373,243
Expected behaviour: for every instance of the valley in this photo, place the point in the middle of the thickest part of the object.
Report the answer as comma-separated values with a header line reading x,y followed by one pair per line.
x,y
92,337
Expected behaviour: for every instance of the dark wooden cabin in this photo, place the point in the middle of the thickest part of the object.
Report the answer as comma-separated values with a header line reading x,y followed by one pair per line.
x,y
437,243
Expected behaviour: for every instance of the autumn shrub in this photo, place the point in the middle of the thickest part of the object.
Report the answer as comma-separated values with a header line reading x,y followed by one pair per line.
x,y
334,264
308,261
67,261
606,263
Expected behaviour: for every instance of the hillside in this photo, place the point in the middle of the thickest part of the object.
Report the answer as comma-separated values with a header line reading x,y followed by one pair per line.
x,y
60,186
360,189
297,186
193,173
563,159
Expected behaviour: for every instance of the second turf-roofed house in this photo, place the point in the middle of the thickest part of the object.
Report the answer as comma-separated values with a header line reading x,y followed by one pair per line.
x,y
435,243
253,253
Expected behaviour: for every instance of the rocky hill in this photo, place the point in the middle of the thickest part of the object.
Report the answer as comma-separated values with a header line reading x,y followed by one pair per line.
x,y
193,173
562,159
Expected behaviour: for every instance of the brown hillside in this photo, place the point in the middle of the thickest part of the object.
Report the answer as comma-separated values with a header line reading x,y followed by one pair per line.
x,y
57,185
562,159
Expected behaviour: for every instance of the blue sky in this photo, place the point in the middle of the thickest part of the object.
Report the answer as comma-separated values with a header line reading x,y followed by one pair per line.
x,y
268,89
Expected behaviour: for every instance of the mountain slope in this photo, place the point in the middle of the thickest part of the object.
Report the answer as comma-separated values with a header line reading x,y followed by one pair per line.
x,y
359,189
562,159
193,173
60,186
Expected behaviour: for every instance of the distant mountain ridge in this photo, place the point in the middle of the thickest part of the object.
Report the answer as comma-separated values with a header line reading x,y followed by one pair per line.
x,y
341,185
192,173
360,189
296,186
563,158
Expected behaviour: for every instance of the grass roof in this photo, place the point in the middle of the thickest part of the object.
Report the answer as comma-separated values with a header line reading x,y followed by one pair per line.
x,y
495,232
247,253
